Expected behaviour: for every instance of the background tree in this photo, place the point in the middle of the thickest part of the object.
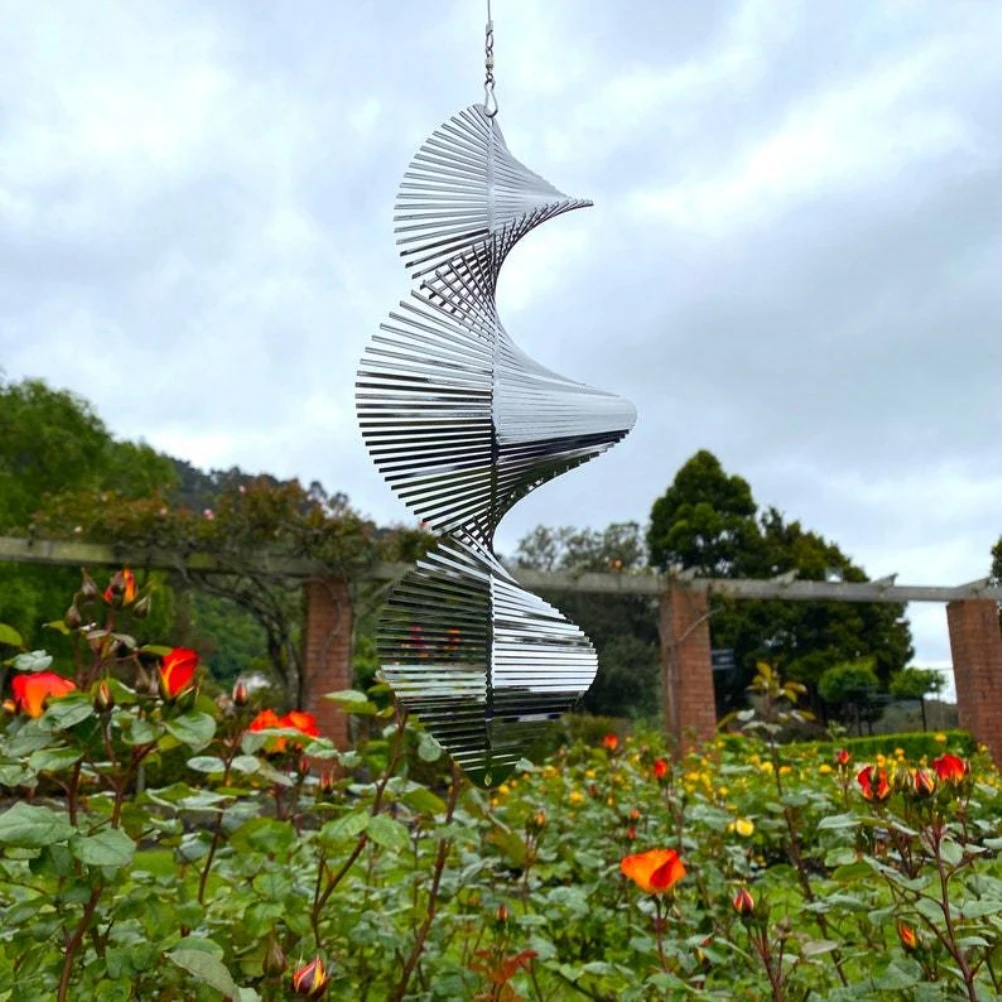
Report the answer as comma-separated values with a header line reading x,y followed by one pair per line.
x,y
708,520
623,628
850,688
917,683
51,441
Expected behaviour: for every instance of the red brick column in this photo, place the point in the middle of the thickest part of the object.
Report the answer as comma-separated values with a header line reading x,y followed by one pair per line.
x,y
976,644
686,669
327,653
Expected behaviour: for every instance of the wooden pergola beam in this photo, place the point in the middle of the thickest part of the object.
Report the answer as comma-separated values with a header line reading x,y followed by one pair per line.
x,y
81,554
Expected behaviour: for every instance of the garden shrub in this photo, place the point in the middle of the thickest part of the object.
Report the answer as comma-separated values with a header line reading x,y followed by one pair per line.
x,y
284,868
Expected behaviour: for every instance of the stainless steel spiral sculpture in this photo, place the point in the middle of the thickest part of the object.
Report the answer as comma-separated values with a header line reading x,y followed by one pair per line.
x,y
463,424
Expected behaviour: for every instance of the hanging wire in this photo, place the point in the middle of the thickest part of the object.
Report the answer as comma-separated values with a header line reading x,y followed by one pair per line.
x,y
490,101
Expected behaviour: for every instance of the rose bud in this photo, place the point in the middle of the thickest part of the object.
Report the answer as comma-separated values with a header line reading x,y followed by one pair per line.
x,y
908,937
536,823
177,672
501,917
326,784
240,694
924,783
660,769
635,814
104,700
73,619
142,608
843,758
88,588
312,980
743,902
274,960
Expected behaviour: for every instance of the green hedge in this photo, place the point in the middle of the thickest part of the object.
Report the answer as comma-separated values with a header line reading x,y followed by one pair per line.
x,y
915,743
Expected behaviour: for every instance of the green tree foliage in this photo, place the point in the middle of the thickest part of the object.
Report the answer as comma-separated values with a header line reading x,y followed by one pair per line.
x,y
916,683
852,682
52,442
708,520
623,628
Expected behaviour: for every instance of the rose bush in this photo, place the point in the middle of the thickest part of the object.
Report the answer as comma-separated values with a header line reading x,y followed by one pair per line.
x,y
282,868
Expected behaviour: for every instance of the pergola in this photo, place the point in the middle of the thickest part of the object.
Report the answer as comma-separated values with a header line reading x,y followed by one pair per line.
x,y
683,624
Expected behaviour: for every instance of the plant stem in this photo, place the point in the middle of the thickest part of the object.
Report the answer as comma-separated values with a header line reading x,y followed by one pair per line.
x,y
75,941
444,846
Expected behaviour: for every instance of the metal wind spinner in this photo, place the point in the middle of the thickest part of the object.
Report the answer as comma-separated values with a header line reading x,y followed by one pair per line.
x,y
463,424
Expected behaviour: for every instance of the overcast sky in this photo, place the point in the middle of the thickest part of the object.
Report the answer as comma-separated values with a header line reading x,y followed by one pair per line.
x,y
794,258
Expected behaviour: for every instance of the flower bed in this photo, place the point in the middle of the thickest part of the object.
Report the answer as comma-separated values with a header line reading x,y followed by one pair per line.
x,y
281,868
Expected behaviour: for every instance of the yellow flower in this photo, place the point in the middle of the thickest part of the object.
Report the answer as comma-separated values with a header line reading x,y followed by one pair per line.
x,y
722,791
576,797
504,790
824,768
744,826
610,802
939,737
900,752
881,760
766,767
785,770
589,773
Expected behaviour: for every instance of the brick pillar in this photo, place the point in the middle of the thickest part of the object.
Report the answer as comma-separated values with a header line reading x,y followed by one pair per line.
x,y
327,654
976,645
686,670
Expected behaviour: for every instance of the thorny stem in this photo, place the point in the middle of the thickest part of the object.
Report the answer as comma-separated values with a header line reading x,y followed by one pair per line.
x,y
217,831
659,931
444,846
320,898
75,941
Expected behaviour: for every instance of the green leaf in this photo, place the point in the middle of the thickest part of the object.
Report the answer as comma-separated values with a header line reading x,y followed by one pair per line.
x,y
194,729
353,701
31,827
33,661
429,750
815,947
838,821
246,764
206,763
53,759
67,712
9,636
59,626
155,649
111,847
388,833
424,801
206,969
345,828
141,732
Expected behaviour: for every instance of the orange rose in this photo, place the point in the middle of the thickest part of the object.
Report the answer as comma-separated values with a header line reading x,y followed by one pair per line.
x,y
655,871
949,768
610,742
32,691
305,723
177,670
